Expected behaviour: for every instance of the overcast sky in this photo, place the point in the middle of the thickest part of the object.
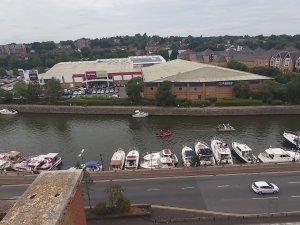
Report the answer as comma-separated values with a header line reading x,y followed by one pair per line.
x,y
26,21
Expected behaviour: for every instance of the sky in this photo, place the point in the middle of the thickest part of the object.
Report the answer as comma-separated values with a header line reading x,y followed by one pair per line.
x,y
27,21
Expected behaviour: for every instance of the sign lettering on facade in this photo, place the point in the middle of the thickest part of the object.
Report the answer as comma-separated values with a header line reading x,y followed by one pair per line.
x,y
90,75
225,83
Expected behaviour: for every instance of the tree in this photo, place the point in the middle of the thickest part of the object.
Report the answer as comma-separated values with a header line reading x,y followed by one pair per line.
x,y
293,90
2,72
5,96
53,90
33,92
237,66
241,89
164,97
20,89
134,88
114,192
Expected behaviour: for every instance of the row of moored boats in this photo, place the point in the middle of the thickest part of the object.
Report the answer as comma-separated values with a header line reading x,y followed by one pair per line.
x,y
14,161
218,153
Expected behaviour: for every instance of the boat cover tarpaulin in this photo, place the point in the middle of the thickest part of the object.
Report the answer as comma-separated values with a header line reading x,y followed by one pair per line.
x,y
91,164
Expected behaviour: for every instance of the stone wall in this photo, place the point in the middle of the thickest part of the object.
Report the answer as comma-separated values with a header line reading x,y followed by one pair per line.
x,y
152,110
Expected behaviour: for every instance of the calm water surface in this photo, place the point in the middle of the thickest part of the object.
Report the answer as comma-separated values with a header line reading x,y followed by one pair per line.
x,y
34,134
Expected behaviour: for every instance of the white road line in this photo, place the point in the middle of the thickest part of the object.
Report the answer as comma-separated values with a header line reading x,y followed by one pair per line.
x,y
295,196
264,198
153,189
223,186
14,185
184,188
294,182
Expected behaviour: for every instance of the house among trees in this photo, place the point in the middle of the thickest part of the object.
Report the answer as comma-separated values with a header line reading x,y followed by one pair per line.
x,y
286,61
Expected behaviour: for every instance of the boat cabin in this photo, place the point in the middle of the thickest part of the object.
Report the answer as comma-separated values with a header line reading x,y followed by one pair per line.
x,y
276,153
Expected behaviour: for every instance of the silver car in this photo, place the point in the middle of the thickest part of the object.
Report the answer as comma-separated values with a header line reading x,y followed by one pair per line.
x,y
263,187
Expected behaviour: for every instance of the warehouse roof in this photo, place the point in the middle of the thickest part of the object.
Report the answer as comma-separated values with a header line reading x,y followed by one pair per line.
x,y
110,66
185,71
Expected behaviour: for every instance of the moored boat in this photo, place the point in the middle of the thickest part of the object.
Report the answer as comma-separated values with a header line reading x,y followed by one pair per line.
x,y
204,152
165,153
244,152
117,160
164,134
293,138
225,127
8,112
221,151
132,160
139,114
278,155
92,166
187,154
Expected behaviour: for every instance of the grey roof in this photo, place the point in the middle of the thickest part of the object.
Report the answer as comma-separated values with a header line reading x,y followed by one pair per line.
x,y
186,71
149,59
45,201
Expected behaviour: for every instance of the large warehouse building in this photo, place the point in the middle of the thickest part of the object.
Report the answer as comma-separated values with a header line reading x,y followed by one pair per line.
x,y
93,73
197,81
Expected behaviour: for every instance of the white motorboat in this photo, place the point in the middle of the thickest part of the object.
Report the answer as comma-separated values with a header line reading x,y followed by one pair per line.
x,y
132,160
278,155
205,154
8,112
117,160
151,164
225,127
221,151
51,161
244,152
293,138
165,153
139,114
187,154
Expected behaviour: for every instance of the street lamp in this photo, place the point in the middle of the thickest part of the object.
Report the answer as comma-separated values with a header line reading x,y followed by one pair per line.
x,y
101,161
85,177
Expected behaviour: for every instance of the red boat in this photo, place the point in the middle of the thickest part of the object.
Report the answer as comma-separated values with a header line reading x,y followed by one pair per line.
x,y
164,134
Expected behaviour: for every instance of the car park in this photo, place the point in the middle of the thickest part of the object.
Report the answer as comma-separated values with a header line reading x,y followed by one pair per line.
x,y
264,187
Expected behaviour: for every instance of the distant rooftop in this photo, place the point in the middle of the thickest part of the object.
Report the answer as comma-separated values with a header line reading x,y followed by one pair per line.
x,y
46,199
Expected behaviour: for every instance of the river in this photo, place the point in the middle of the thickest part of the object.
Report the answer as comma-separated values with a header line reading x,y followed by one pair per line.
x,y
67,134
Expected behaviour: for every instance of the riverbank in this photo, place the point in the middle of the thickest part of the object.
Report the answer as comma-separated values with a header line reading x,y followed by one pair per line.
x,y
160,111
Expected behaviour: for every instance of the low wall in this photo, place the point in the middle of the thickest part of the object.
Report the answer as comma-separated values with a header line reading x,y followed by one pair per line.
x,y
153,110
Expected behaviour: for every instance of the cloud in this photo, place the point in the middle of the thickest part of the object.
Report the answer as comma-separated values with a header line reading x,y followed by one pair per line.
x,y
42,20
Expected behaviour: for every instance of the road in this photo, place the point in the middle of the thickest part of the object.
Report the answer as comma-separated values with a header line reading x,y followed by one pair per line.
x,y
221,193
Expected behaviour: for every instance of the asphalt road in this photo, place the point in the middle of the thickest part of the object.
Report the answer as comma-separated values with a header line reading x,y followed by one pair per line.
x,y
224,193
230,193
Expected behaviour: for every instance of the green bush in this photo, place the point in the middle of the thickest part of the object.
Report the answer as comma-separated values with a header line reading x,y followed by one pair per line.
x,y
123,205
277,102
211,99
99,101
102,209
238,102
203,103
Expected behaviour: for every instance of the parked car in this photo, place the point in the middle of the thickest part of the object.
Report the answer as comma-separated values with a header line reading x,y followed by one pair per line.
x,y
94,91
106,91
102,91
99,91
263,187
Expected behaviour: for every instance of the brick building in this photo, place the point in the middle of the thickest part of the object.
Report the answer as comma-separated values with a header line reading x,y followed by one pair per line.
x,y
197,81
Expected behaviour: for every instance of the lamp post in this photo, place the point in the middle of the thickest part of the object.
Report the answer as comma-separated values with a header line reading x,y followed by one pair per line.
x,y
101,159
85,178
151,160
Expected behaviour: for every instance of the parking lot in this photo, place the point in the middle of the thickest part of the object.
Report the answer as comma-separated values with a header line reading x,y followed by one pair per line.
x,y
114,91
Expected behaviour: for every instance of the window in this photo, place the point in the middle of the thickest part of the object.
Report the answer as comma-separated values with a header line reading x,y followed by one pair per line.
x,y
180,89
151,89
195,89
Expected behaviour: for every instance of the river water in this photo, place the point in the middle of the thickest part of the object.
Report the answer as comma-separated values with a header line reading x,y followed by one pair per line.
x,y
67,134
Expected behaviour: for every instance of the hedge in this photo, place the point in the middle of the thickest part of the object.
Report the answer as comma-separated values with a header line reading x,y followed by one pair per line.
x,y
238,102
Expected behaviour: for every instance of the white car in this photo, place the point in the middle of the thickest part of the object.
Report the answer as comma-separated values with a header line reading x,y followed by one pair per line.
x,y
102,91
94,91
263,187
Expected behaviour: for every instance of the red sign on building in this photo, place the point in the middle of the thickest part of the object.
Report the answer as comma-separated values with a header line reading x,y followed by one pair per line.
x,y
90,75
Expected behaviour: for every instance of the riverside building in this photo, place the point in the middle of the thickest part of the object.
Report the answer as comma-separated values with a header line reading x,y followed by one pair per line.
x,y
197,81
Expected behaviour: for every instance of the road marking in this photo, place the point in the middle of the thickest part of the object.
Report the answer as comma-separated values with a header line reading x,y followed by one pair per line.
x,y
223,186
14,185
295,196
153,189
294,182
184,188
264,198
